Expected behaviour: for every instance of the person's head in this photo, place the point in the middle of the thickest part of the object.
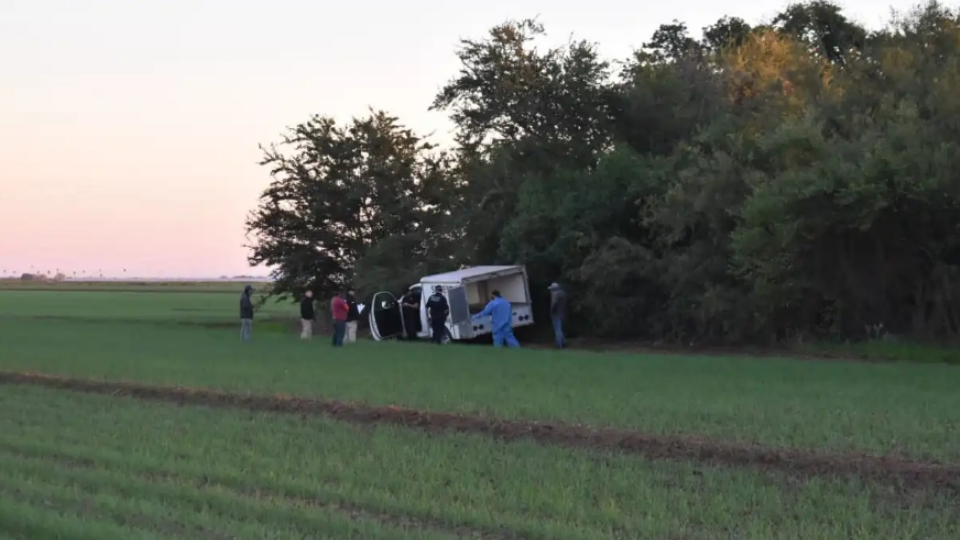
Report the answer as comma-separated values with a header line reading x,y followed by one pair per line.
x,y
554,286
309,294
350,292
248,289
495,294
438,289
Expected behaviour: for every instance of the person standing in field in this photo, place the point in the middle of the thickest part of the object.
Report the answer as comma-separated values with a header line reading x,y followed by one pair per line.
x,y
353,316
437,311
339,309
246,313
501,319
558,313
307,315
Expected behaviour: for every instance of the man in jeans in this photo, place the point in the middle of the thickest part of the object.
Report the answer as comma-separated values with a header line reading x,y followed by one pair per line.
x,y
558,312
339,309
246,313
306,316
352,317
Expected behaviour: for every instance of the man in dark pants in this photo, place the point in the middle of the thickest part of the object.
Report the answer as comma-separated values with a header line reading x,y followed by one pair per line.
x,y
246,313
411,312
338,311
437,310
558,312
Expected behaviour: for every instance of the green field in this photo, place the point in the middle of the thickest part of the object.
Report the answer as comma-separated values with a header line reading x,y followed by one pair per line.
x,y
101,466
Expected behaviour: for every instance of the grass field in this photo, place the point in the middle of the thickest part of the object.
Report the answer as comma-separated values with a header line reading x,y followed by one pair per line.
x,y
80,465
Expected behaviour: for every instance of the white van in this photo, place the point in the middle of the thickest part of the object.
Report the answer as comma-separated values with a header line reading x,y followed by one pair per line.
x,y
467,291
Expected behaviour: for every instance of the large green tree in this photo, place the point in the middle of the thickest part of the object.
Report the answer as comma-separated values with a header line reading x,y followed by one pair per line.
x,y
338,193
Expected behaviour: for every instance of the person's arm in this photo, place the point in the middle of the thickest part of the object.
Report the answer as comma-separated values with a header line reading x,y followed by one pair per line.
x,y
486,311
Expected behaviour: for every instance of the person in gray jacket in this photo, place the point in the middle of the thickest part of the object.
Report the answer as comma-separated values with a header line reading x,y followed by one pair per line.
x,y
246,313
558,312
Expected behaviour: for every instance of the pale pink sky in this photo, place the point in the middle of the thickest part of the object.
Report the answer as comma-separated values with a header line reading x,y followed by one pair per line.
x,y
129,129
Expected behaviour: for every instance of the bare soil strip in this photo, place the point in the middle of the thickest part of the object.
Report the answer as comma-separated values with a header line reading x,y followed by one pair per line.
x,y
905,474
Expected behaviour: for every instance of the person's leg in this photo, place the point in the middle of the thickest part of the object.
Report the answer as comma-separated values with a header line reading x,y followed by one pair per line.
x,y
511,339
558,332
339,330
352,332
246,328
498,339
304,324
439,328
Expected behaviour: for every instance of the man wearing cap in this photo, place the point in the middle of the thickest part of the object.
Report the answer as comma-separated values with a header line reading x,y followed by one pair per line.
x,y
437,311
558,312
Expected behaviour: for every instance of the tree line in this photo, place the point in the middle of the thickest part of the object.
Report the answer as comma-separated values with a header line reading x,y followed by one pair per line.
x,y
792,179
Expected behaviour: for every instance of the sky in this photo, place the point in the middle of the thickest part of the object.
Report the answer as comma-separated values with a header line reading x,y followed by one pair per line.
x,y
129,130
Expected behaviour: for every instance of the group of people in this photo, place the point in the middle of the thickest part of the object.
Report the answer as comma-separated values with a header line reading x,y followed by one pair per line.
x,y
345,313
343,309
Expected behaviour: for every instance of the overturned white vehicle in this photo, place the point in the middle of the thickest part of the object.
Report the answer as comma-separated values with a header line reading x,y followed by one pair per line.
x,y
467,291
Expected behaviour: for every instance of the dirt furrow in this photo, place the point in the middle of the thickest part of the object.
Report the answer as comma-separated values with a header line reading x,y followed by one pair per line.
x,y
903,473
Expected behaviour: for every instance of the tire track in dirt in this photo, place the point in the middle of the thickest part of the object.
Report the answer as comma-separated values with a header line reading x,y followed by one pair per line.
x,y
904,474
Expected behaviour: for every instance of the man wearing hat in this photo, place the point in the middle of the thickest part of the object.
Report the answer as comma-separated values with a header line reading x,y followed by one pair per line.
x,y
437,311
558,312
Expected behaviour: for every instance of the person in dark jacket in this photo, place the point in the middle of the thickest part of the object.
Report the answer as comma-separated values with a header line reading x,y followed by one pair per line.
x,y
353,317
307,314
410,303
437,311
558,313
246,313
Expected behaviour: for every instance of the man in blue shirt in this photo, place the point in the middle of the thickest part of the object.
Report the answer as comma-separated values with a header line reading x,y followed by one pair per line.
x,y
501,319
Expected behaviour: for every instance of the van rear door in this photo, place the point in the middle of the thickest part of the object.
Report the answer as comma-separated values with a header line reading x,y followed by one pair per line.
x,y
459,312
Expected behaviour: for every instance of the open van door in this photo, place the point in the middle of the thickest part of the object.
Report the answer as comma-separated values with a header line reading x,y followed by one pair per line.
x,y
386,317
460,324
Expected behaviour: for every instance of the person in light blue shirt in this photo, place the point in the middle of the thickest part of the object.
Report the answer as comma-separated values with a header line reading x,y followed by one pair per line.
x,y
501,319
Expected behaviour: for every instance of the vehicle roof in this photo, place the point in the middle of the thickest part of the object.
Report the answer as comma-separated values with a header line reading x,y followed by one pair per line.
x,y
467,273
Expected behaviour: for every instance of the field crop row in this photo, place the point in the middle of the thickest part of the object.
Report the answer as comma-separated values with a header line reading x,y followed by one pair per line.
x,y
882,409
111,466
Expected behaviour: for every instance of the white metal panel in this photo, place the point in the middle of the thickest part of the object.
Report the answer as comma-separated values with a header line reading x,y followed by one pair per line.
x,y
467,274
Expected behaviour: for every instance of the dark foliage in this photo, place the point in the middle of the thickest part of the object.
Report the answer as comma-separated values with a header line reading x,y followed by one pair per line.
x,y
797,178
